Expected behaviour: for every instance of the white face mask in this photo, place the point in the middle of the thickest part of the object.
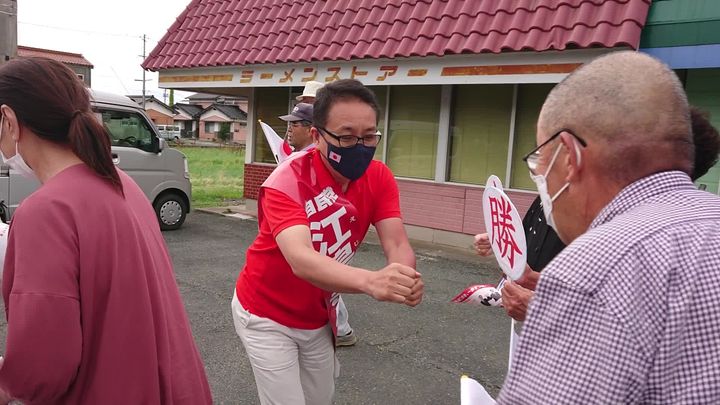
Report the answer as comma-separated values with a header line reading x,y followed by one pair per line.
x,y
16,161
545,198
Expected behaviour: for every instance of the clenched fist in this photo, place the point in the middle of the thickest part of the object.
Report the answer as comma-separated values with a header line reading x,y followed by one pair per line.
x,y
396,283
482,244
416,293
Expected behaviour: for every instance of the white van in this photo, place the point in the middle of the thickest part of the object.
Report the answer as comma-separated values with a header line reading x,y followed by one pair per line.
x,y
169,132
160,171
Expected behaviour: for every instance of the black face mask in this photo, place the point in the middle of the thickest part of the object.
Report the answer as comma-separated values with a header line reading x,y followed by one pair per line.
x,y
352,162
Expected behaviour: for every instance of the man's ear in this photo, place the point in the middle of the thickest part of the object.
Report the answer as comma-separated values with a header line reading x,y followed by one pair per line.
x,y
315,134
574,157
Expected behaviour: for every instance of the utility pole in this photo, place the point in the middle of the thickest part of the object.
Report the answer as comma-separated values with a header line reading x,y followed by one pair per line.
x,y
8,30
143,80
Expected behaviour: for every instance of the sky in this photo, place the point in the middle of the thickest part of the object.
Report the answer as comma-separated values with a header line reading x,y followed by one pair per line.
x,y
107,33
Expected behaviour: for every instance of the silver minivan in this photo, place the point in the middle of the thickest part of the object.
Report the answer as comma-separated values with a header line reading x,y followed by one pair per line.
x,y
169,132
160,171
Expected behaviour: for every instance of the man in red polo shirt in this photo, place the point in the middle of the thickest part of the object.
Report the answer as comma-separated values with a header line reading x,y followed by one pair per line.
x,y
313,212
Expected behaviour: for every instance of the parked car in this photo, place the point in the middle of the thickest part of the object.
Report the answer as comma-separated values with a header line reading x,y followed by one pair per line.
x,y
160,171
169,132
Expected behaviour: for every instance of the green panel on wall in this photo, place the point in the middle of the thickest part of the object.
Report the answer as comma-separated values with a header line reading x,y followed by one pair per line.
x,y
703,90
682,22
681,34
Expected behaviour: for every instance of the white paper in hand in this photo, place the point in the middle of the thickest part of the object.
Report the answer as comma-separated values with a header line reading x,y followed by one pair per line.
x,y
473,393
480,294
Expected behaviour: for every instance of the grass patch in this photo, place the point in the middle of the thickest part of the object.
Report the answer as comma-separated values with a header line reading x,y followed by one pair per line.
x,y
217,175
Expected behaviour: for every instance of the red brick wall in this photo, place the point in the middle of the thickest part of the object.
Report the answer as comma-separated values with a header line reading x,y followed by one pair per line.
x,y
159,118
255,175
448,207
205,135
453,208
239,133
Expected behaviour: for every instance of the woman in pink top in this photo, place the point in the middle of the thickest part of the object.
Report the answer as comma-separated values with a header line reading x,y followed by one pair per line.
x,y
94,313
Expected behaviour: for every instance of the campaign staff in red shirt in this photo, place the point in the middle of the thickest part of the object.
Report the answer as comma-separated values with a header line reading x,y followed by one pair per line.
x,y
314,211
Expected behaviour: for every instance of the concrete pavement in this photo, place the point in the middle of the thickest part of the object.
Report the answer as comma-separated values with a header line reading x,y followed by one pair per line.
x,y
404,356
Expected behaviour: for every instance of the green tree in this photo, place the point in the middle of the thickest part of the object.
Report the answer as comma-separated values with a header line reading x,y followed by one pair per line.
x,y
224,134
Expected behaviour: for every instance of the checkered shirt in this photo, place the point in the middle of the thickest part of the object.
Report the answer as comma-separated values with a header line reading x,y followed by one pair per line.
x,y
629,313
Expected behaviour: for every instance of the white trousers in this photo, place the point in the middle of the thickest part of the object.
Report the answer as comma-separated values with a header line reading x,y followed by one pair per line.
x,y
343,326
291,366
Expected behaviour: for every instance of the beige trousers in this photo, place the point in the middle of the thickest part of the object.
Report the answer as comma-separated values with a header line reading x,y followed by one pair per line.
x,y
291,366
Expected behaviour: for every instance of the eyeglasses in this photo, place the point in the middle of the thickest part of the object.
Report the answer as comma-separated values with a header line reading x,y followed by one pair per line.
x,y
349,141
299,124
533,158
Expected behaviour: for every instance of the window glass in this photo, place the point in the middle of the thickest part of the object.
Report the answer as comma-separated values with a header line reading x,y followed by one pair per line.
x,y
479,132
270,103
413,130
529,102
381,95
128,129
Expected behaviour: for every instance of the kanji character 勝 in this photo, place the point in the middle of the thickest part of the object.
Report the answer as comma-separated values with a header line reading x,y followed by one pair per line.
x,y
503,228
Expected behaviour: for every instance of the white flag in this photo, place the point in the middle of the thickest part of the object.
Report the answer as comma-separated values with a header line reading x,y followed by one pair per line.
x,y
280,148
473,393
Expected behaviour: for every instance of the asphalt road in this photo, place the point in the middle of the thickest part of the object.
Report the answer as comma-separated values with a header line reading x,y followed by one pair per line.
x,y
404,356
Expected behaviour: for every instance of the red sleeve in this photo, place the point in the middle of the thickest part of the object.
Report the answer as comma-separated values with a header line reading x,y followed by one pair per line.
x,y
44,332
281,212
387,203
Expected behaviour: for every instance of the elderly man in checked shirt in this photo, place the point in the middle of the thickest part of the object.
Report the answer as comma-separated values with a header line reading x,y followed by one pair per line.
x,y
629,312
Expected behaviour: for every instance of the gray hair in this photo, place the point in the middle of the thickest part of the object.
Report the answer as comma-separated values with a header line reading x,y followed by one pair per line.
x,y
633,107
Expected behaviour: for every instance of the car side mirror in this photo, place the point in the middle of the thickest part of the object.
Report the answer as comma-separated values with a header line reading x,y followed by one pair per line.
x,y
162,144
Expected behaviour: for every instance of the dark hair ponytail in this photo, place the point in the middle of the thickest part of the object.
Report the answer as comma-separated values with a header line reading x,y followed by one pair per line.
x,y
50,99
90,141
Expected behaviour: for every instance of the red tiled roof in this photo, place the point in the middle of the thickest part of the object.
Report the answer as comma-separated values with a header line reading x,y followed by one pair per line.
x,y
64,57
240,32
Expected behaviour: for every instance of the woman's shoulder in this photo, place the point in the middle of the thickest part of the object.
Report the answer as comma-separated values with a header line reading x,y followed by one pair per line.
x,y
71,189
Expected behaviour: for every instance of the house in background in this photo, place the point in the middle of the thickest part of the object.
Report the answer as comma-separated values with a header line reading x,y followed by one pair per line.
x,y
187,117
75,61
218,117
206,100
205,117
159,112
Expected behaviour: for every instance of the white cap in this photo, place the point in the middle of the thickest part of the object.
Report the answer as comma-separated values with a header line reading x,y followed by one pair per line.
x,y
310,90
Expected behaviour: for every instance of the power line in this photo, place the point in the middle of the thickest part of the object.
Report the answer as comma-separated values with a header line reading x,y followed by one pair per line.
x,y
119,79
82,31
